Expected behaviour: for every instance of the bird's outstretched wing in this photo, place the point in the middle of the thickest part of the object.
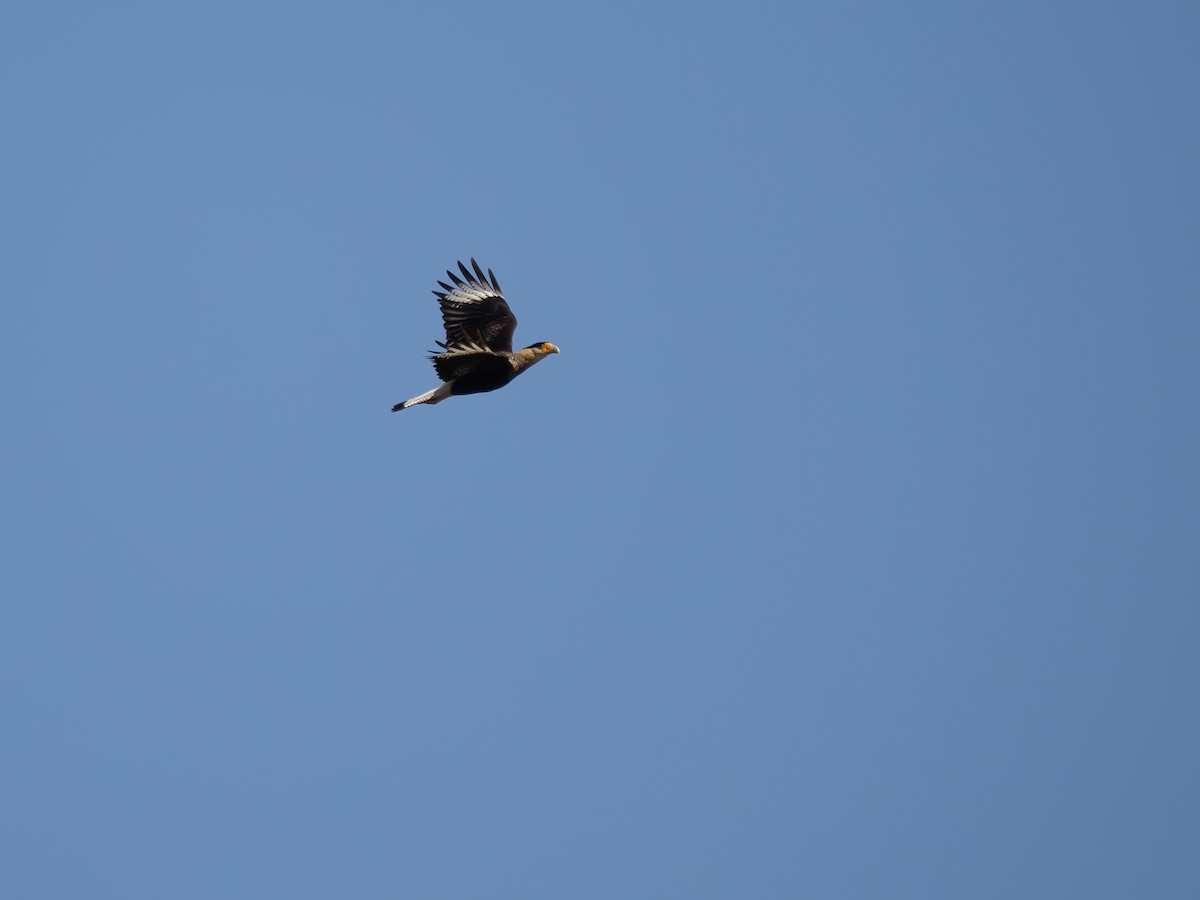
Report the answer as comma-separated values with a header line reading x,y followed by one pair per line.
x,y
469,358
474,311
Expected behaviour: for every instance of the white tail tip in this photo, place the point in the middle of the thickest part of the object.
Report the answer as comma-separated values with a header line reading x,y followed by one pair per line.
x,y
437,395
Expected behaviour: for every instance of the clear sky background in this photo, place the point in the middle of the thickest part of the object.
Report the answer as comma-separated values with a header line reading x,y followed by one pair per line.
x,y
851,548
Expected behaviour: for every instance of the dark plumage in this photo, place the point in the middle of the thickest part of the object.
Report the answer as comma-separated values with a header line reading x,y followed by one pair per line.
x,y
477,355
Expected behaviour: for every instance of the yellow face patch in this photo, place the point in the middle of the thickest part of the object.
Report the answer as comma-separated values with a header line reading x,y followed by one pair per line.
x,y
549,348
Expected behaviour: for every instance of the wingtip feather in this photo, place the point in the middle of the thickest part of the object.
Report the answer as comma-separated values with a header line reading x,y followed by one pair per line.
x,y
480,280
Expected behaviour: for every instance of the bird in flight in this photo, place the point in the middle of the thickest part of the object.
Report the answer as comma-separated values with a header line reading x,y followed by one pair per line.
x,y
478,354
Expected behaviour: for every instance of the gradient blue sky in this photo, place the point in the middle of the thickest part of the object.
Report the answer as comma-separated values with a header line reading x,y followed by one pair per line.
x,y
849,549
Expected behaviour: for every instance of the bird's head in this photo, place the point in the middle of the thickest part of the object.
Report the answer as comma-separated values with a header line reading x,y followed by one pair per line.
x,y
542,348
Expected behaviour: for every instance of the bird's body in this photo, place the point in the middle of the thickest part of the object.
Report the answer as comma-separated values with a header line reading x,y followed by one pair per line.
x,y
477,356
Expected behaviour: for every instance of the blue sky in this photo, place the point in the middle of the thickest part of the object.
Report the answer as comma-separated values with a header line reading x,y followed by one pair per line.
x,y
849,549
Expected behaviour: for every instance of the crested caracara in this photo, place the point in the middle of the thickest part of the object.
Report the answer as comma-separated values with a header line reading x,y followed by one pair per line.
x,y
478,354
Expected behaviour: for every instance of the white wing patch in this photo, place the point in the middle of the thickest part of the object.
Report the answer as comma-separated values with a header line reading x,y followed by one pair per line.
x,y
470,293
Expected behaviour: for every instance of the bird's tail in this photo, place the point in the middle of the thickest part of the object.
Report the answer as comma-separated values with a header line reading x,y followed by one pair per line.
x,y
437,395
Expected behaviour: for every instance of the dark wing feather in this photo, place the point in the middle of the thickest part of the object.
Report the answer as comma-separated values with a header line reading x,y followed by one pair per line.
x,y
474,360
475,311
